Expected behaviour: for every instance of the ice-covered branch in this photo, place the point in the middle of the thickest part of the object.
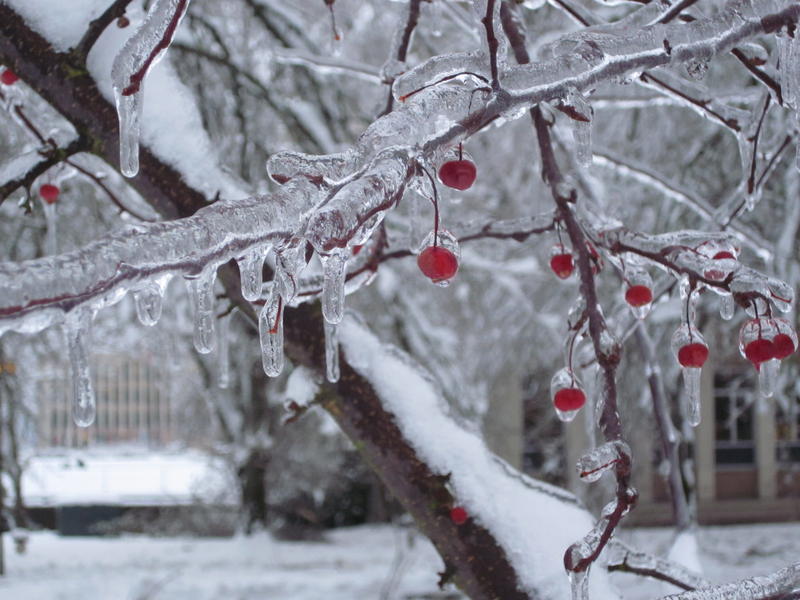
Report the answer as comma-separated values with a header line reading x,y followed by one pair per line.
x,y
627,560
781,585
648,176
38,293
143,50
96,28
401,41
580,555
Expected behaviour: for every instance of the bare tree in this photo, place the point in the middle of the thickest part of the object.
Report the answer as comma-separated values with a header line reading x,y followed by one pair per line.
x,y
331,218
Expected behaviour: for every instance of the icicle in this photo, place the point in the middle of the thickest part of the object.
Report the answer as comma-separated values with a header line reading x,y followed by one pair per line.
x,y
593,464
335,266
51,241
580,111
139,54
768,378
331,352
289,262
76,328
129,110
579,582
270,331
691,394
202,289
726,307
148,300
224,361
251,269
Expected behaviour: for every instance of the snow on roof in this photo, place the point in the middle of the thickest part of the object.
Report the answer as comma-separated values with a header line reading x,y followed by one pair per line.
x,y
125,479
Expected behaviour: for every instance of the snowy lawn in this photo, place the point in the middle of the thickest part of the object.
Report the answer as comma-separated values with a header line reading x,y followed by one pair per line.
x,y
354,564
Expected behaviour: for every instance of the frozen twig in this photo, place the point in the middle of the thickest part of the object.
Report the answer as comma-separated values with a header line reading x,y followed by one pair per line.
x,y
627,560
781,585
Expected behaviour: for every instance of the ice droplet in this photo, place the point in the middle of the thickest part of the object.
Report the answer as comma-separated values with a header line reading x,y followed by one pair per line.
x,y
334,265
76,328
251,269
331,352
579,582
224,362
726,307
691,399
148,300
129,110
51,222
768,378
202,290
593,464
270,332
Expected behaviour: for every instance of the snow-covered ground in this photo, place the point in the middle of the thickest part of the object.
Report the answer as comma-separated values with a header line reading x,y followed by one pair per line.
x,y
354,563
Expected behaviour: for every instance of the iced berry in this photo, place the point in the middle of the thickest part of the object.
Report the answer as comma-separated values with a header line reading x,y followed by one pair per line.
x,y
569,399
759,350
8,77
693,355
49,193
783,346
638,295
562,265
723,255
437,263
458,174
458,515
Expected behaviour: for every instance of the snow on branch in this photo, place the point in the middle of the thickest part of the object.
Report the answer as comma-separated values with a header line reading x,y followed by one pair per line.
x,y
487,489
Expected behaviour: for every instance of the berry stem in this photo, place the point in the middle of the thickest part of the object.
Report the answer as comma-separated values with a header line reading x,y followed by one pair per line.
x,y
435,201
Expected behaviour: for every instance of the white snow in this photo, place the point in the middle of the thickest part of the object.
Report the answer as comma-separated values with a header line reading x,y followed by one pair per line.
x,y
533,522
62,23
131,479
353,563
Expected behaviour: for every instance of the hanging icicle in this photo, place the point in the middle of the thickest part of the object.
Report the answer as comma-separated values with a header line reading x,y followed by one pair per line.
x,y
202,290
139,54
76,330
224,359
331,352
270,332
335,267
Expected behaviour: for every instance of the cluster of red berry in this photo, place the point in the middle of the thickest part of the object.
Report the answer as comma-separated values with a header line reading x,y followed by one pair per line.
x,y
439,260
761,339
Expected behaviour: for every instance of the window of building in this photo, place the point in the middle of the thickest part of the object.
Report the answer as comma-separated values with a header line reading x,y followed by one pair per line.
x,y
733,404
787,431
132,405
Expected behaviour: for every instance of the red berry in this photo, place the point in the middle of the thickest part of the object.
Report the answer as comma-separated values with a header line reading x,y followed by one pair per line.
x,y
458,174
759,351
723,255
569,399
784,346
437,263
8,77
693,355
638,295
49,193
562,265
458,515
357,249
